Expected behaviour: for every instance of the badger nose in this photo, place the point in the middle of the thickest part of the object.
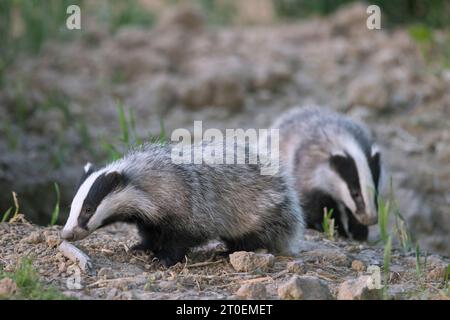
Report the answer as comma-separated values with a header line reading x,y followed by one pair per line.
x,y
371,220
67,235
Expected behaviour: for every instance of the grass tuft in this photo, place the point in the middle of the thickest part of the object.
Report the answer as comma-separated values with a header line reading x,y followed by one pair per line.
x,y
29,285
328,224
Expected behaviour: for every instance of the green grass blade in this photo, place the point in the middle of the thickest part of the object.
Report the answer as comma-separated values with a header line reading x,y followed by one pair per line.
x,y
55,213
123,124
6,215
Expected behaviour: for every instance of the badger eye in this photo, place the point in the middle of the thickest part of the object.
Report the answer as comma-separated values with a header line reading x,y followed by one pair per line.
x,y
355,194
88,210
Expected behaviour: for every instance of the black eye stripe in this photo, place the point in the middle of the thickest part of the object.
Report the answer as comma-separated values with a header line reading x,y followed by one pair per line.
x,y
345,167
102,186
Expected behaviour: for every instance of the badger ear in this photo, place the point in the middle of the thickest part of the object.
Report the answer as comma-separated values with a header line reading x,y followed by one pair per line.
x,y
374,151
88,169
114,178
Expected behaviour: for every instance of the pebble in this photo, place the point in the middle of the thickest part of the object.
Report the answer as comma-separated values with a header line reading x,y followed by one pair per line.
x,y
297,267
35,237
244,261
252,291
358,265
304,288
358,289
8,287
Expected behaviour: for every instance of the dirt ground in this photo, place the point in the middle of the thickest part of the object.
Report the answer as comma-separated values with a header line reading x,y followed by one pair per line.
x,y
118,273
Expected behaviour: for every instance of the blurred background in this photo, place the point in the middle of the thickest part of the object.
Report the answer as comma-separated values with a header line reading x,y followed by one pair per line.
x,y
139,69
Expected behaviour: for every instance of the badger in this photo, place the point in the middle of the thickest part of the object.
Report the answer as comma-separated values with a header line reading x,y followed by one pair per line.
x,y
336,165
179,206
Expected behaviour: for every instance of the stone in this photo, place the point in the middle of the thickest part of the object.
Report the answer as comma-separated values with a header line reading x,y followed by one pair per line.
x,y
51,240
244,261
35,237
252,291
358,265
8,287
304,288
358,289
297,267
291,290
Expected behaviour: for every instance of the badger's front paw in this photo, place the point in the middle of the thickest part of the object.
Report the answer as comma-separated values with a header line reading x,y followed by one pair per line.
x,y
170,257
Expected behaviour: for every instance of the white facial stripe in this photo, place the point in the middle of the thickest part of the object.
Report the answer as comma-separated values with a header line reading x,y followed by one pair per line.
x,y
78,200
344,193
329,181
364,174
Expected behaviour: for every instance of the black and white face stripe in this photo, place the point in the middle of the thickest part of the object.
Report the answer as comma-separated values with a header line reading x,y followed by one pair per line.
x,y
360,174
92,191
102,186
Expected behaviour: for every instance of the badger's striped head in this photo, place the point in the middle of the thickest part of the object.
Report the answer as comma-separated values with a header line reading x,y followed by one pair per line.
x,y
92,206
352,177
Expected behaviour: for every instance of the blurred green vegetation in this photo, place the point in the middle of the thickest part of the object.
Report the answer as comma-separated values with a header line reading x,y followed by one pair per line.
x,y
25,25
433,13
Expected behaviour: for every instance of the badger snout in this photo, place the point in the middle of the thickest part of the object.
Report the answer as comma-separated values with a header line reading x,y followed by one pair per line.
x,y
367,220
73,234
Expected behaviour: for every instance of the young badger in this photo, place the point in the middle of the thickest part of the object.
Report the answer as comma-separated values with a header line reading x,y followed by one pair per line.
x,y
335,164
179,206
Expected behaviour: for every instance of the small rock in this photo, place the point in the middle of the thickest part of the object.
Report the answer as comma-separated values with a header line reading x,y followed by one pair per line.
x,y
105,273
35,237
52,240
7,287
62,267
297,267
252,291
249,261
437,273
358,265
112,294
291,290
358,289
306,288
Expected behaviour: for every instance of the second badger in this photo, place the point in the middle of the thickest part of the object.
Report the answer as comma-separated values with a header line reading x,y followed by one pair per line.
x,y
336,165
179,206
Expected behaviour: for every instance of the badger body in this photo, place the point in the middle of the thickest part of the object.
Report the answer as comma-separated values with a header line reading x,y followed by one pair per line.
x,y
179,206
336,166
